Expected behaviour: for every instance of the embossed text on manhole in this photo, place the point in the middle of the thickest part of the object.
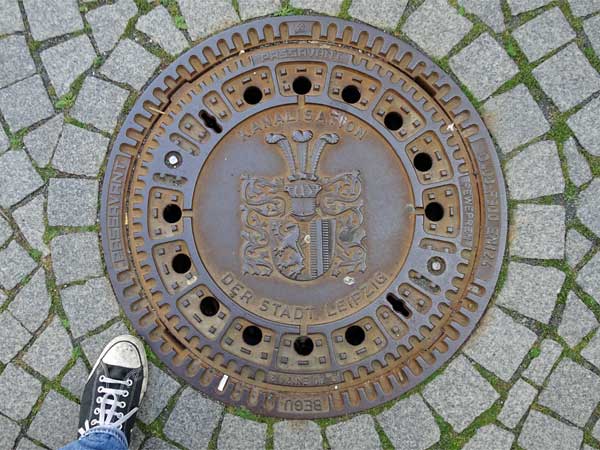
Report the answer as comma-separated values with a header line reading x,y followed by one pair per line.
x,y
303,216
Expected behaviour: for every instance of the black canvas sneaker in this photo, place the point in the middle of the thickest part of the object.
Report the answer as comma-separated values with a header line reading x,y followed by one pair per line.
x,y
115,387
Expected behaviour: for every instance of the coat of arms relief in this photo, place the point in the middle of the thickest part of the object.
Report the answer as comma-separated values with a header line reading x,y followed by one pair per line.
x,y
307,224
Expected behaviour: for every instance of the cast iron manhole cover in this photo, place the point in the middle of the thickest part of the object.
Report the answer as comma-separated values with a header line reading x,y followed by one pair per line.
x,y
304,216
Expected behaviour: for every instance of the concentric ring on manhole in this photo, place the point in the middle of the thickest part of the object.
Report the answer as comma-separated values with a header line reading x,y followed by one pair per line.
x,y
304,216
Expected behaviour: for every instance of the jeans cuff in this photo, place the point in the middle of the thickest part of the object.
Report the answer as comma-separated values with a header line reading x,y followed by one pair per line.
x,y
112,431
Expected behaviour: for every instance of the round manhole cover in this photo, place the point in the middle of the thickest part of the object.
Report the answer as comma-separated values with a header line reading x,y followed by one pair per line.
x,y
304,216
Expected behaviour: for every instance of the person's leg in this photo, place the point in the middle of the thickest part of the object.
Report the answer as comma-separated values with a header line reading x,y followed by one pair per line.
x,y
112,395
100,438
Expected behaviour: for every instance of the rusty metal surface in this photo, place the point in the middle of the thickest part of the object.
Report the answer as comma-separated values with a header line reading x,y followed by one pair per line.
x,y
304,216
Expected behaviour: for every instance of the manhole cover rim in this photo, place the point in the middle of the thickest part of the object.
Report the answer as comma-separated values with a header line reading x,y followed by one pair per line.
x,y
257,25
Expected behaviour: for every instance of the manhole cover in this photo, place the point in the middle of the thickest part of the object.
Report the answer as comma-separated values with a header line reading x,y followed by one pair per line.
x,y
303,216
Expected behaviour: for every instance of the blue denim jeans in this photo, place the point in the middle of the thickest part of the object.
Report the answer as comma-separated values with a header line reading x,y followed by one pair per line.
x,y
100,438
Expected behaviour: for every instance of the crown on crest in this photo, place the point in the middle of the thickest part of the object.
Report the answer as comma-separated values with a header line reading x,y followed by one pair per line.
x,y
301,160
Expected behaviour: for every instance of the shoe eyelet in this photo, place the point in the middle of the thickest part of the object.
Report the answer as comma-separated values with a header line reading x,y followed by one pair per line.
x,y
120,415
122,404
96,411
100,390
102,378
125,394
94,422
98,400
129,382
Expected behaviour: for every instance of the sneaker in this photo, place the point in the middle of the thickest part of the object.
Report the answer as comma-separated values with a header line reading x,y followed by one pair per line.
x,y
115,387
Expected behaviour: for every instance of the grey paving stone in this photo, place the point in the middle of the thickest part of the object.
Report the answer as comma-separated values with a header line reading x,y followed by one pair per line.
x,y
130,63
158,24
10,19
51,18
13,337
30,219
18,392
540,367
436,27
573,392
542,432
16,60
538,231
51,351
99,103
499,344
297,435
80,151
108,22
157,444
32,304
483,66
9,431
514,118
569,67
577,321
75,257
520,397
588,206
544,33
531,290
584,124
591,352
191,409
52,428
5,231
25,103
576,247
4,142
15,264
137,438
592,30
18,178
535,172
358,432
382,14
489,12
255,8
589,277
74,380
161,387
72,202
489,437
204,18
460,394
241,434
41,142
410,425
577,165
520,6
584,7
93,346
65,62
89,305
329,7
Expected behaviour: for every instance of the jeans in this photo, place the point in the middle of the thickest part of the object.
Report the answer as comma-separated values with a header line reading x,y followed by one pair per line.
x,y
100,438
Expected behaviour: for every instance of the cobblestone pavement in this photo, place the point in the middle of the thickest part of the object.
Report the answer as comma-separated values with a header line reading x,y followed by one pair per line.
x,y
530,376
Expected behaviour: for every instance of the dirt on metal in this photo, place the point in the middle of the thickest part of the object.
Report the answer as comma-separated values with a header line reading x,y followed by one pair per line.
x,y
303,216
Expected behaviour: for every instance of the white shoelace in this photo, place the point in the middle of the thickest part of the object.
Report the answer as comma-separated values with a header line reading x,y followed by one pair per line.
x,y
109,398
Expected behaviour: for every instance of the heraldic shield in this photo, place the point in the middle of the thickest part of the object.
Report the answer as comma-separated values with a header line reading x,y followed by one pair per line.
x,y
304,225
